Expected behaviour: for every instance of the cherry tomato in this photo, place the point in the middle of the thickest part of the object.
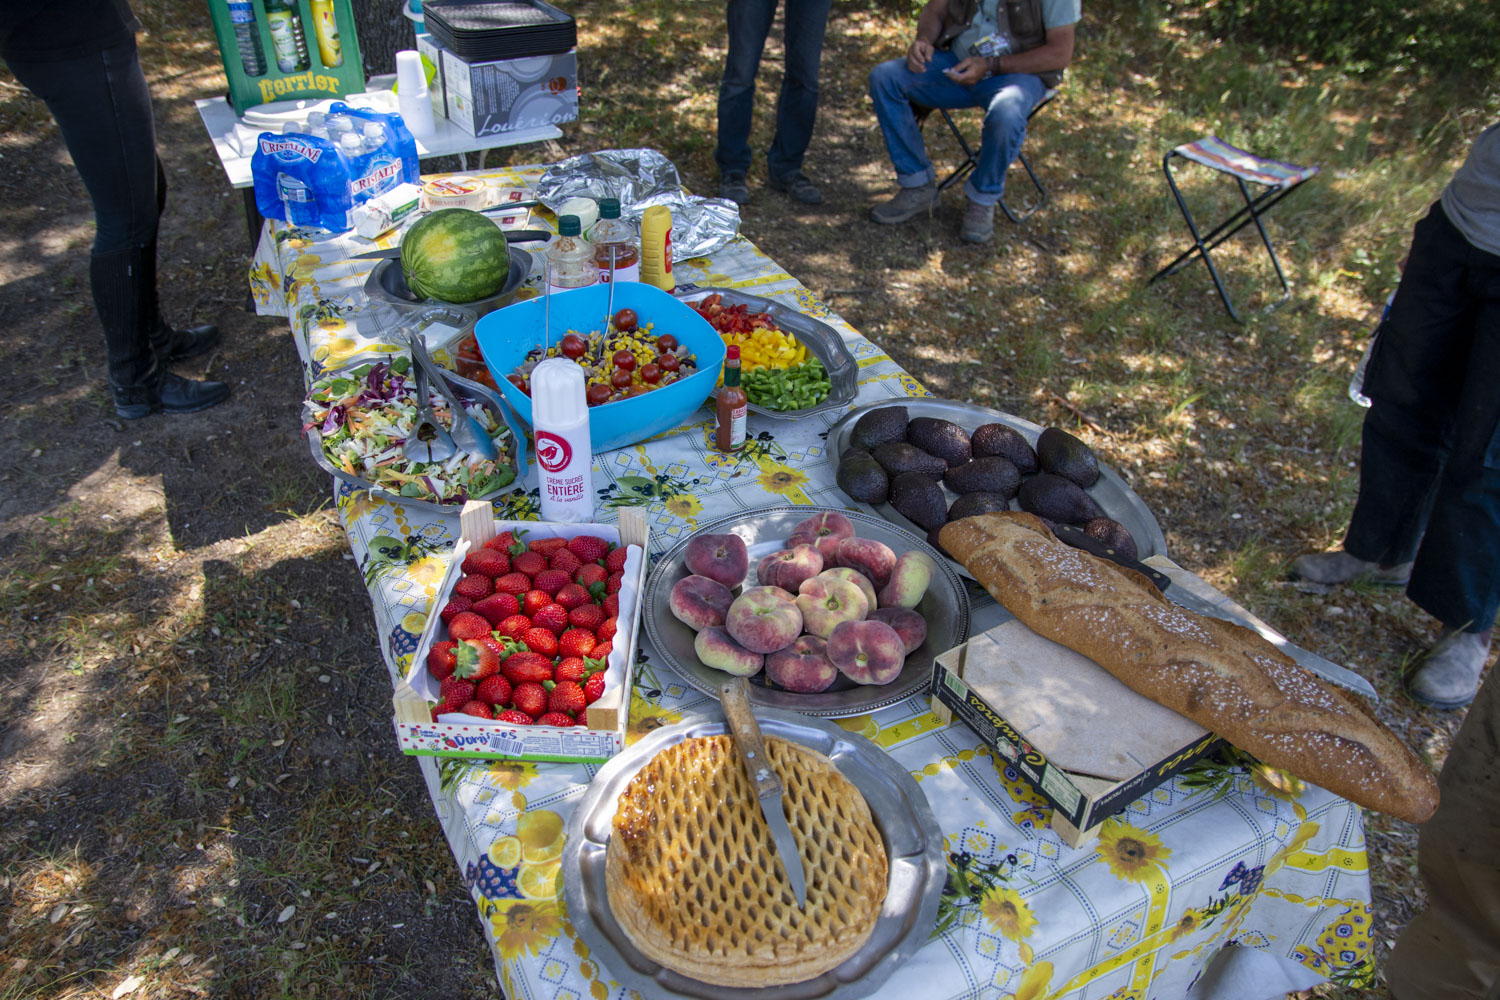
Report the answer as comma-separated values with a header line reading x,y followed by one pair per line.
x,y
624,360
651,373
519,383
573,346
636,390
668,363
619,378
626,320
666,342
597,394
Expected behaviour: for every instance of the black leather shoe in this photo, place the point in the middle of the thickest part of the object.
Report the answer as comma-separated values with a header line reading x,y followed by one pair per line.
x,y
177,345
174,394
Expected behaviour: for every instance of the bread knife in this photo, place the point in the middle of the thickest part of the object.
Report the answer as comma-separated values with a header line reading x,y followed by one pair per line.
x,y
734,695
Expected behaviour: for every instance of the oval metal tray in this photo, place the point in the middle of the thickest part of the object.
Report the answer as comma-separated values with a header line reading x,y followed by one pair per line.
x,y
1117,499
822,340
945,607
913,846
387,284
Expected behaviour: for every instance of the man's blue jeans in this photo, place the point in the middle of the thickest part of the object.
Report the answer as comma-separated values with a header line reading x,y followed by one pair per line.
x,y
1007,101
796,108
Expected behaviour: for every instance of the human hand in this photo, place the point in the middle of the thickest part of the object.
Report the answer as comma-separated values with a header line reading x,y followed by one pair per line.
x,y
919,55
970,71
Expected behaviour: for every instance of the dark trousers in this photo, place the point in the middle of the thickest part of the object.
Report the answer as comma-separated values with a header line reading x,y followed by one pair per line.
x,y
797,106
1429,484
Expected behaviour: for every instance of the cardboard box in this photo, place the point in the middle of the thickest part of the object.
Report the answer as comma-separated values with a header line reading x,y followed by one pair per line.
x,y
419,734
1083,740
512,95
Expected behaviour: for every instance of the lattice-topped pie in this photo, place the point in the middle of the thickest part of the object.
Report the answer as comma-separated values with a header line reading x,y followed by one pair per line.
x,y
693,877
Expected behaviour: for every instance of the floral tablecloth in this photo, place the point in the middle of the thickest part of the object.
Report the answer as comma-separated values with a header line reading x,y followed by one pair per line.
x,y
1225,854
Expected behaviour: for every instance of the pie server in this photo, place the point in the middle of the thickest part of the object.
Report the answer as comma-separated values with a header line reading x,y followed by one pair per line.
x,y
734,695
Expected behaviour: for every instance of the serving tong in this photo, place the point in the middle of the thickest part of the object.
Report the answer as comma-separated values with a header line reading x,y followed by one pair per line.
x,y
467,435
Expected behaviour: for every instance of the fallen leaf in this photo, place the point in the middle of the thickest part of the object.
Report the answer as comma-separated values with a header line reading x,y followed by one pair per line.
x,y
286,914
126,988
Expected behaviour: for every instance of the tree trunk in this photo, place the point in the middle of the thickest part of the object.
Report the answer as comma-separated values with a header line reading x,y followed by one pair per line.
x,y
383,31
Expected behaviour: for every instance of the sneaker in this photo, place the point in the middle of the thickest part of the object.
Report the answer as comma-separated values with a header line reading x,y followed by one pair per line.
x,y
799,187
733,187
1449,675
979,223
908,204
1340,567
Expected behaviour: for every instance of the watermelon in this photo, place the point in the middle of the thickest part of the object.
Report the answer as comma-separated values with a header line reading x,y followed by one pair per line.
x,y
454,255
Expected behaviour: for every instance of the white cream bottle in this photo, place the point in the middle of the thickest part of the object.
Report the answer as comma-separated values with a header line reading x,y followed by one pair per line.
x,y
564,458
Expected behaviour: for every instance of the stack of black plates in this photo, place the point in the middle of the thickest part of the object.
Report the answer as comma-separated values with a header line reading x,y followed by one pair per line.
x,y
499,29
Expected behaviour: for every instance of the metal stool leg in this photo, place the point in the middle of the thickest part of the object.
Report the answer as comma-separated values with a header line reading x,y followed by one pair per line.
x,y
1042,200
971,159
1286,290
1199,245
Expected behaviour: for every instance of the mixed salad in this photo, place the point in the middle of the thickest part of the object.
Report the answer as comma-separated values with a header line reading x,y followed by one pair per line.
x,y
362,418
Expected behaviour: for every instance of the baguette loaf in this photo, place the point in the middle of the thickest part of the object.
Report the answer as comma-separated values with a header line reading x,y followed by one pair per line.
x,y
1223,676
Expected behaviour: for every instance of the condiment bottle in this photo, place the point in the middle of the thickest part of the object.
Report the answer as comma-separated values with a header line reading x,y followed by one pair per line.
x,y
564,457
614,236
732,405
570,259
656,248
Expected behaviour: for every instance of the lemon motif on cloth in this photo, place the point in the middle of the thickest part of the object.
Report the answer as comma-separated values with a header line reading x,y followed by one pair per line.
x,y
1007,913
1034,983
1131,853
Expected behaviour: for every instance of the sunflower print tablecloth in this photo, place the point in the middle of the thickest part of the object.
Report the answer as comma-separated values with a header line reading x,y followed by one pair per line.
x,y
1229,853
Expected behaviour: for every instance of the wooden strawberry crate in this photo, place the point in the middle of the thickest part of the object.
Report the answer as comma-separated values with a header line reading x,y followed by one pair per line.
x,y
419,734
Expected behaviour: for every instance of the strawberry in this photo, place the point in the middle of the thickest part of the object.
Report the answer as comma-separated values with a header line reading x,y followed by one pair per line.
x,y
614,583
525,666
566,561
553,616
444,707
493,691
497,607
565,696
468,625
507,542
530,563
589,548
547,547
474,586
589,616
557,719
611,604
571,596
534,601
441,660
571,668
550,581
606,632
540,640
477,708
593,688
456,691
477,659
530,698
453,607
514,717
514,627
577,642
513,583
487,561
602,651
615,561
589,574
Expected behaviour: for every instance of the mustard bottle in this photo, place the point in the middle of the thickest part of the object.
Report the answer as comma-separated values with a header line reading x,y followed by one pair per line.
x,y
656,248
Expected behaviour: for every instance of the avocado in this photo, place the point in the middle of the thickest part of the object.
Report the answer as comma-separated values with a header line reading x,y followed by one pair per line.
x,y
1062,454
879,427
898,457
1007,442
939,437
991,474
920,500
978,502
1113,534
860,476
1051,497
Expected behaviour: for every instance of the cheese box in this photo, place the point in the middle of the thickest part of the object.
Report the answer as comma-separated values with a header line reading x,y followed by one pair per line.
x,y
457,735
508,95
1084,741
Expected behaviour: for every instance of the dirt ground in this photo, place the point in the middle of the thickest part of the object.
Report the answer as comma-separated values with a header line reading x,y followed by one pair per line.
x,y
194,717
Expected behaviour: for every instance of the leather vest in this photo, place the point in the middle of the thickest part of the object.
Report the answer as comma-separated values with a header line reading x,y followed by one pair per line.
x,y
1023,18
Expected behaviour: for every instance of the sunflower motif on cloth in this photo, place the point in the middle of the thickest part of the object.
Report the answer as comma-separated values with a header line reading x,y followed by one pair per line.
x,y
1007,913
1275,782
780,479
1186,924
683,505
1131,853
523,927
513,775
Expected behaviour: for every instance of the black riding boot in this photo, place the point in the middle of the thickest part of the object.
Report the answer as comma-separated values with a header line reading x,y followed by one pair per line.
x,y
171,345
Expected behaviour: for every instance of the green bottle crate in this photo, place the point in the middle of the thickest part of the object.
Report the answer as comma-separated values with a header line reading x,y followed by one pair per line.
x,y
264,66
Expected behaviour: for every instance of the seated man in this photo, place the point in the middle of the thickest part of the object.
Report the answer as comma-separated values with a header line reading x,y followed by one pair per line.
x,y
1000,55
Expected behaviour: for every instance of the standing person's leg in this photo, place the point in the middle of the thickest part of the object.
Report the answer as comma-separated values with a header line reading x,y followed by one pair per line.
x,y
893,89
748,21
797,105
1451,951
1007,106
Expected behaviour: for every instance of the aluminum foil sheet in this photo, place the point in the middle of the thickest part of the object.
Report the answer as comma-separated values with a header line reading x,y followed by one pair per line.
x,y
641,178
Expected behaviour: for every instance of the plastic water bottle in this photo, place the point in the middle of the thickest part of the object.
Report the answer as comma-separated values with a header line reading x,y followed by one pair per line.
x,y
247,38
564,456
1357,383
351,144
301,209
571,259
374,134
339,123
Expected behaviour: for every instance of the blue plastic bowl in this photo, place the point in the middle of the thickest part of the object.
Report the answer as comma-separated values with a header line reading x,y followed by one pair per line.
x,y
506,335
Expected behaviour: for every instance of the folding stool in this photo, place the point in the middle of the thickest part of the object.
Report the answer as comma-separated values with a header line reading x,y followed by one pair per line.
x,y
971,155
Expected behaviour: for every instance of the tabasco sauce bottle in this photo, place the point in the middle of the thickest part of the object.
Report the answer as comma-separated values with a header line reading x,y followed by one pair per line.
x,y
733,405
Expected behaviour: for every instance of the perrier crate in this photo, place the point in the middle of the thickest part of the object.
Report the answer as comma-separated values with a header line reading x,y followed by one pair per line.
x,y
287,50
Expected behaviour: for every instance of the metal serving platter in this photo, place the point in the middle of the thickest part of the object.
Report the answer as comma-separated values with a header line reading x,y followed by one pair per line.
x,y
1111,493
387,284
913,846
822,340
945,607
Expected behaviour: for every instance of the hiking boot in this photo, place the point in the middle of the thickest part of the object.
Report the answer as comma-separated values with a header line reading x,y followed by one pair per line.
x,y
172,345
799,187
733,187
908,204
979,223
1449,675
1340,567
